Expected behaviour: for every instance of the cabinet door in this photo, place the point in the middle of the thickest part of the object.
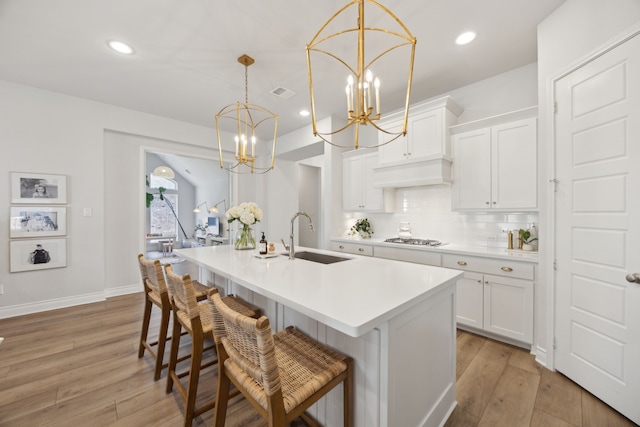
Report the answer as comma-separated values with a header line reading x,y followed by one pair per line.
x,y
425,135
373,199
471,187
395,151
514,165
508,307
469,295
352,185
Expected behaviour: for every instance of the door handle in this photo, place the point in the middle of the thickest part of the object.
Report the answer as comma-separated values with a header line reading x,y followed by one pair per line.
x,y
633,278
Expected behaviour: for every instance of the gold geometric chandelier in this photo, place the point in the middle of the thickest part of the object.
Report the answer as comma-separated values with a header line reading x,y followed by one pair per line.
x,y
247,118
362,88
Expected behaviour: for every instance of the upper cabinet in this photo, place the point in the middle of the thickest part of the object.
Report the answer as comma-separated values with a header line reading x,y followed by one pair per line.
x,y
358,193
495,163
423,156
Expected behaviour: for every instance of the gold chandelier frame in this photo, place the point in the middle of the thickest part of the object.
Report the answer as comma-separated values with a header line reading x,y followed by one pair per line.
x,y
248,118
363,113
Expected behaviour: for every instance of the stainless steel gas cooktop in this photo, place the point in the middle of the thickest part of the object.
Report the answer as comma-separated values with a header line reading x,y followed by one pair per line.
x,y
418,242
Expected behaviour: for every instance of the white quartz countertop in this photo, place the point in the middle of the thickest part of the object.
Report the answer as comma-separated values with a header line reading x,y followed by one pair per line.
x,y
351,296
488,252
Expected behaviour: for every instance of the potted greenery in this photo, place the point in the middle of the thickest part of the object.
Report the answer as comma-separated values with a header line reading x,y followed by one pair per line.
x,y
361,228
526,239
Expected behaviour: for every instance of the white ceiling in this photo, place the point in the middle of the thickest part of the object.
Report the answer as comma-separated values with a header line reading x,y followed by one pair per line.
x,y
186,68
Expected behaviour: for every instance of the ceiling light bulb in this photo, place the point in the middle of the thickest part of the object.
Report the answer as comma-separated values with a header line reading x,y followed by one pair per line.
x,y
465,38
120,47
305,113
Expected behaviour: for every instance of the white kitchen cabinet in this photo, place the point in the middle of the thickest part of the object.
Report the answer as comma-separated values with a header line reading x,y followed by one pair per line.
x,y
352,248
358,193
501,303
409,255
495,167
423,156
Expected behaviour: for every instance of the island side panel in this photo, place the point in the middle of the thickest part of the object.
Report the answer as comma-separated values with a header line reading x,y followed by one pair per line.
x,y
419,355
365,350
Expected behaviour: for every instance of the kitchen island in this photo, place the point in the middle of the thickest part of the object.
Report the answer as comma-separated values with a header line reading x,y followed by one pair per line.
x,y
397,320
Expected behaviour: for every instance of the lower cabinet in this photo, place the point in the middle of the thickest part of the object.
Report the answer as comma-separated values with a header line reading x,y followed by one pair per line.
x,y
499,303
409,255
352,248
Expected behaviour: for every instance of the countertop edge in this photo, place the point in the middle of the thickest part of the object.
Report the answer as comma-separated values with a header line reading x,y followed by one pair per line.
x,y
496,253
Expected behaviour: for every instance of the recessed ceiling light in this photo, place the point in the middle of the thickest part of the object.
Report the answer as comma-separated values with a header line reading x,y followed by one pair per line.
x,y
304,113
120,47
465,38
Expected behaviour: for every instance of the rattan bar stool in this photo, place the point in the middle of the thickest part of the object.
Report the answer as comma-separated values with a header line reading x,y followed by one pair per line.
x,y
281,374
196,320
157,293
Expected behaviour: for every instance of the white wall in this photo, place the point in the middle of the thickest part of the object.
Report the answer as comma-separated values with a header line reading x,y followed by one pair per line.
x,y
573,32
47,132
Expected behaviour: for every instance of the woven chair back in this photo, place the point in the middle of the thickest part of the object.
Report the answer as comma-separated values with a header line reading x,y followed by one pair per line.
x,y
248,342
151,272
184,296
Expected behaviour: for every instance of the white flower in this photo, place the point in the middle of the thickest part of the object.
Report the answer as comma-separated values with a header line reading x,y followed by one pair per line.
x,y
247,218
248,213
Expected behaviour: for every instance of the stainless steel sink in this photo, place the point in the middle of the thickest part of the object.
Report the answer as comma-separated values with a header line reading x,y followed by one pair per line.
x,y
316,257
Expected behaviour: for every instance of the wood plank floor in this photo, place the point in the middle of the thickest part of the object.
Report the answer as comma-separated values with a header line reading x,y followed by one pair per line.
x,y
79,366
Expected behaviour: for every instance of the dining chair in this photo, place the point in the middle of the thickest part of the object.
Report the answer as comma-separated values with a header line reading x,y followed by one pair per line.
x,y
158,293
281,374
196,319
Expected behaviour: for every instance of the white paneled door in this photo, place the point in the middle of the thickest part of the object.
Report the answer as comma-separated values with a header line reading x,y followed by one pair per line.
x,y
598,227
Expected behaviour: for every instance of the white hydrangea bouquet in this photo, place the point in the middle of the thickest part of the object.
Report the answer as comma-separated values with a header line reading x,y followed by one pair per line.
x,y
247,214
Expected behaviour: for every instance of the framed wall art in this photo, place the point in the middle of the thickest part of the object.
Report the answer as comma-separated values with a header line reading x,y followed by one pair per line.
x,y
37,254
37,221
38,188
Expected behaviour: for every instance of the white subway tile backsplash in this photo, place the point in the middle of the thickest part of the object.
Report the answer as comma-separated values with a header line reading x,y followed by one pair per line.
x,y
428,209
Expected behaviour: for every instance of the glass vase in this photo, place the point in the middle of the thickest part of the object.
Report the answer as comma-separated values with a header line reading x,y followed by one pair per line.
x,y
245,239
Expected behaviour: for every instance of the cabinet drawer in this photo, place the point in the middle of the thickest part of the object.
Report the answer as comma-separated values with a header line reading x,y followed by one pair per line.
x,y
352,248
520,270
409,255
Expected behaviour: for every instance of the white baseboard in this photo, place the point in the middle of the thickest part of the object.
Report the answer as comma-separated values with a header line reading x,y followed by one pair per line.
x,y
123,290
37,307
54,304
541,356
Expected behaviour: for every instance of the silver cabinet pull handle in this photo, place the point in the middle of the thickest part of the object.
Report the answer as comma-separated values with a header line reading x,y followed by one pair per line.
x,y
633,277
506,269
462,262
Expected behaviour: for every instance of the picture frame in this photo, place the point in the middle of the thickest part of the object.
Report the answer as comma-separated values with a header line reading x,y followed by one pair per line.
x,y
38,188
37,254
37,221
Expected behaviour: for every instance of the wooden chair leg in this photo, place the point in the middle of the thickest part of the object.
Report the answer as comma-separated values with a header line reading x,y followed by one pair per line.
x,y
222,398
162,340
145,325
347,389
173,355
194,375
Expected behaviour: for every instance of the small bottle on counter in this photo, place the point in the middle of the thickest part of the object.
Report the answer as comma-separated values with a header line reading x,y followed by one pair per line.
x,y
510,240
263,245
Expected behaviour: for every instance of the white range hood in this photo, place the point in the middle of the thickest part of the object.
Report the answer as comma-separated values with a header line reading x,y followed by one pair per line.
x,y
423,157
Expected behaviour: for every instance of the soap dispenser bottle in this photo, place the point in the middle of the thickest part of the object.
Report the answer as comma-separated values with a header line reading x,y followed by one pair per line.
x,y
263,245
